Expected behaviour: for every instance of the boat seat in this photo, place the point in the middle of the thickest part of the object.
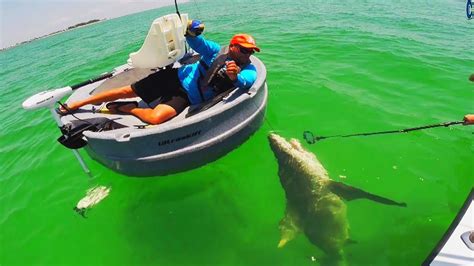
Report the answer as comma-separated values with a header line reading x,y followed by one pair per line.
x,y
164,44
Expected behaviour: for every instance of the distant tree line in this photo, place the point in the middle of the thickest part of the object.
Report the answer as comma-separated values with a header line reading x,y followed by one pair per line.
x,y
83,23
56,32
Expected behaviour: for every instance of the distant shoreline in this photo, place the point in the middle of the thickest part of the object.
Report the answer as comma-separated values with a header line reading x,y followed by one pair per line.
x,y
78,25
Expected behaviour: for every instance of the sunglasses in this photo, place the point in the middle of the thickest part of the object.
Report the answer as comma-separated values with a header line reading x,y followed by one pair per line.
x,y
245,50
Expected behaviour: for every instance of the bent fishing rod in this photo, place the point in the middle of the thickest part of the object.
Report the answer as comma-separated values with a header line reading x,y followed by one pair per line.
x,y
176,6
311,139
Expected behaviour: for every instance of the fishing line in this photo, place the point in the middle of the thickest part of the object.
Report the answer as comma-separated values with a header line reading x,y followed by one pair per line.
x,y
268,122
264,116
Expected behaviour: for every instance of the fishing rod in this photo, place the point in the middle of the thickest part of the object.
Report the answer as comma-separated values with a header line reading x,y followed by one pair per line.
x,y
311,139
176,6
185,22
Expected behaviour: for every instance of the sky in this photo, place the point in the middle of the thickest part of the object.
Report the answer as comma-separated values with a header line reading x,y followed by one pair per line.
x,y
22,20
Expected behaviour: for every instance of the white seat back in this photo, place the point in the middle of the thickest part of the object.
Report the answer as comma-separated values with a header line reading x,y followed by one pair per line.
x,y
164,44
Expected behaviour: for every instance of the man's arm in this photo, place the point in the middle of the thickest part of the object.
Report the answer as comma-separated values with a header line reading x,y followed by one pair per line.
x,y
207,49
242,78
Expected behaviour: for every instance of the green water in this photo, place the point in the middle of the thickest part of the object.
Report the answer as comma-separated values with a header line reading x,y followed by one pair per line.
x,y
333,68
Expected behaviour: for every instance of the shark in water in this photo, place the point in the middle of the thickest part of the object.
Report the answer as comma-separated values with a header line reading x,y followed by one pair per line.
x,y
315,203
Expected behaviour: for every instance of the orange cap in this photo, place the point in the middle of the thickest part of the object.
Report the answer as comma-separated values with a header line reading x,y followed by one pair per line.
x,y
244,40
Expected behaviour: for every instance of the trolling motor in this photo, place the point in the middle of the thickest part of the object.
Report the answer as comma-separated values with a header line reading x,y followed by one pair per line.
x,y
73,137
50,97
47,99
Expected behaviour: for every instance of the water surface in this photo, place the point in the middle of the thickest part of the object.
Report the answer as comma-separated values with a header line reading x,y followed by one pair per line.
x,y
334,67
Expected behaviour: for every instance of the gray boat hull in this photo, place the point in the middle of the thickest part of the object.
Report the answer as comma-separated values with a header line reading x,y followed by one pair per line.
x,y
183,143
188,157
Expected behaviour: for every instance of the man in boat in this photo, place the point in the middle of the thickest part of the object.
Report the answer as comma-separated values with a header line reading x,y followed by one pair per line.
x,y
217,71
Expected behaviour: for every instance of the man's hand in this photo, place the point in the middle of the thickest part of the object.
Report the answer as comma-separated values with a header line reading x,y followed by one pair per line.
x,y
468,119
195,28
232,69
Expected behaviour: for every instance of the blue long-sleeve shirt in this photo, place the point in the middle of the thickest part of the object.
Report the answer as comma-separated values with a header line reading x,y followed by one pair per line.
x,y
189,74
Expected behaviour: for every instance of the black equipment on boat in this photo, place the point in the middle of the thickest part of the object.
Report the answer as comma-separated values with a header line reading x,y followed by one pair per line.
x,y
72,137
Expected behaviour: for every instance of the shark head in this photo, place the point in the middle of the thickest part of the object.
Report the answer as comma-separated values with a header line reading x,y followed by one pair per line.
x,y
283,149
291,155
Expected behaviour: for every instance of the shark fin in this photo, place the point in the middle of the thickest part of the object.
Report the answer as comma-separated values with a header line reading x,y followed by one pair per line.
x,y
352,193
282,242
288,227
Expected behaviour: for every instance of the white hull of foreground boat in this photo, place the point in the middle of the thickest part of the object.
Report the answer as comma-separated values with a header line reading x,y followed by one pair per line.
x,y
456,248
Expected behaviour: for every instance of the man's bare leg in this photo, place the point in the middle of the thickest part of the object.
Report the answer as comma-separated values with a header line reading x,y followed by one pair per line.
x,y
158,115
106,96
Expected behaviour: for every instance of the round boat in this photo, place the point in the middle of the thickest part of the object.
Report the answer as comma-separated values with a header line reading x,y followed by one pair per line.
x,y
198,135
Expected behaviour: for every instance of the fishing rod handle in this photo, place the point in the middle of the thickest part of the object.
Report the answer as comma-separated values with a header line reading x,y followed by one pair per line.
x,y
92,80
